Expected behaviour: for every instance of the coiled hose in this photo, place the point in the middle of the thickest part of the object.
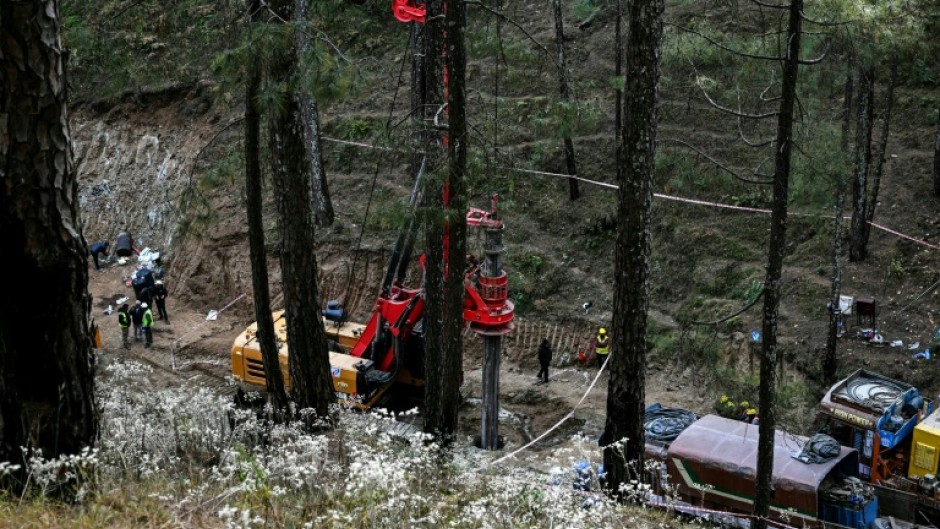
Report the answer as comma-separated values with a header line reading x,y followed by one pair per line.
x,y
874,393
665,424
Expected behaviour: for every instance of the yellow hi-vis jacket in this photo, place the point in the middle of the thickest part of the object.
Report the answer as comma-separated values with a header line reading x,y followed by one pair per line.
x,y
148,318
602,344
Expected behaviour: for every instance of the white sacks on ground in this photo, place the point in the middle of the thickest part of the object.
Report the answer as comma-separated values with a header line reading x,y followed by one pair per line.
x,y
147,257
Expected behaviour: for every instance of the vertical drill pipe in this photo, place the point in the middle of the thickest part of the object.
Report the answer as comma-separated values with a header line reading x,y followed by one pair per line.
x,y
489,433
492,345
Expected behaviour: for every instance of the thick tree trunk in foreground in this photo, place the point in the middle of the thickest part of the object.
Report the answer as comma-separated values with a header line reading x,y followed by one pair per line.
x,y
46,359
863,126
635,166
767,392
319,189
565,91
444,284
311,383
618,72
458,144
434,313
259,261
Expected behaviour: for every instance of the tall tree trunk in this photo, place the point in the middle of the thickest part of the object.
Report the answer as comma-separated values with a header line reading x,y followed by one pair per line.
x,y
311,383
565,91
767,392
267,341
881,153
458,144
936,158
863,126
635,166
618,72
319,189
47,388
830,360
434,333
847,106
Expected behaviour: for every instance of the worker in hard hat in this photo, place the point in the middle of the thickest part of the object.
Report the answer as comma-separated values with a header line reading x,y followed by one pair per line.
x,y
743,406
751,416
159,295
137,318
726,407
601,346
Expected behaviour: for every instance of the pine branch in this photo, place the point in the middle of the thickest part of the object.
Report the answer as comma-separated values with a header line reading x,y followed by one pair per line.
x,y
511,21
714,162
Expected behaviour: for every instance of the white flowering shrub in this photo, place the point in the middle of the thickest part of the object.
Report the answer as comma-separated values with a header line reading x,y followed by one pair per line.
x,y
196,455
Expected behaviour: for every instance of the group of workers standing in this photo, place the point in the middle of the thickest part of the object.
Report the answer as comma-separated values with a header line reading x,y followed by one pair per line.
x,y
141,317
141,314
147,291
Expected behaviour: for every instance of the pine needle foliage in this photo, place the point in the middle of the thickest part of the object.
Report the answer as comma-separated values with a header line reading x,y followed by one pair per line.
x,y
323,71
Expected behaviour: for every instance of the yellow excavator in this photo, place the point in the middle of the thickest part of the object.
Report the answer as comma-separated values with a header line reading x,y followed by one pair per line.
x,y
353,377
366,360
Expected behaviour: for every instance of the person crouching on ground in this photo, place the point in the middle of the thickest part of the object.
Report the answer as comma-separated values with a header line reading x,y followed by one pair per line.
x,y
545,358
96,249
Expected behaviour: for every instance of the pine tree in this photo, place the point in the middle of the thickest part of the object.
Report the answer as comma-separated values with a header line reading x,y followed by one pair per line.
x,y
267,342
311,383
635,166
46,361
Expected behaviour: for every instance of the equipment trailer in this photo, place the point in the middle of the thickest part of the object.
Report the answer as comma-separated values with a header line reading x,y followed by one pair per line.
x,y
897,434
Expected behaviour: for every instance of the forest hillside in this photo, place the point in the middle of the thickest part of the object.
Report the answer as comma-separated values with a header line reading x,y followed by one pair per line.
x,y
157,116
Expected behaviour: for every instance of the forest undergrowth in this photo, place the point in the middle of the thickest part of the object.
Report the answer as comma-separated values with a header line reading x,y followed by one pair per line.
x,y
185,457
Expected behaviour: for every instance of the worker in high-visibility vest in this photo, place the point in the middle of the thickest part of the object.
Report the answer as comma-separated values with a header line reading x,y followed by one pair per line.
x,y
147,325
124,322
601,346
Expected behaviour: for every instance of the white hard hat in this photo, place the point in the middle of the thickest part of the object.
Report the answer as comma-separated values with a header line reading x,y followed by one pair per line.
x,y
144,305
